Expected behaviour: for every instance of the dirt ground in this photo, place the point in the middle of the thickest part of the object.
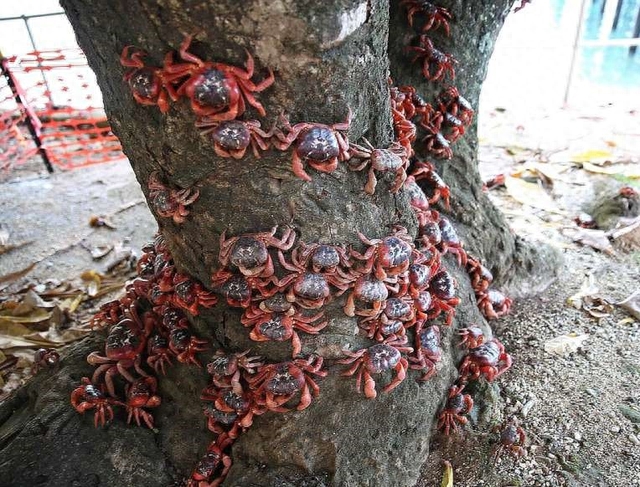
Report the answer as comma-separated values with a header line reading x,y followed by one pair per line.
x,y
580,411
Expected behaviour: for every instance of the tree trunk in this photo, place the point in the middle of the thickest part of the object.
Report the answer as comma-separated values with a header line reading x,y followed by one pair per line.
x,y
328,58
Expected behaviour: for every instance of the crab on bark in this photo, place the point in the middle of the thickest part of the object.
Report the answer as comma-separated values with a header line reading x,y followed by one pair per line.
x,y
425,173
238,288
277,384
512,440
371,291
386,257
472,337
481,277
170,203
443,292
231,138
45,358
249,253
191,295
435,63
392,159
324,258
397,315
451,241
434,16
458,405
318,145
213,467
216,90
428,352
89,396
147,83
281,326
450,101
375,360
158,353
489,360
493,304
417,198
227,411
227,368
141,394
185,346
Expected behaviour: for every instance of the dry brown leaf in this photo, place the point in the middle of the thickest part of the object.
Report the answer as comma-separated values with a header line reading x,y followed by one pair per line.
x,y
596,239
12,276
13,329
632,305
37,316
7,341
530,194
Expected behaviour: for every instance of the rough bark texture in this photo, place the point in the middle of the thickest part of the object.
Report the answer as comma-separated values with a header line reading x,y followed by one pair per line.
x,y
327,56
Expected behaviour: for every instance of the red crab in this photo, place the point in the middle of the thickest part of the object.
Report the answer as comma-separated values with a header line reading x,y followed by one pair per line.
x,y
191,295
458,405
387,257
370,291
397,315
481,277
392,159
89,396
147,83
216,90
453,126
45,358
170,203
323,258
512,439
472,337
428,351
443,291
493,304
435,63
281,326
249,253
276,384
375,360
231,138
185,346
405,131
426,174
450,101
141,394
489,360
238,289
417,198
435,16
158,353
226,368
214,463
228,412
320,146
450,241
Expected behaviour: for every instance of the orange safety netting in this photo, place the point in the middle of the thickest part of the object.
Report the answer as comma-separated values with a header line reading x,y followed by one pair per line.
x,y
51,98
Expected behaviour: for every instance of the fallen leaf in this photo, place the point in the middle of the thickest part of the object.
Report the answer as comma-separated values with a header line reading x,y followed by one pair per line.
x,y
626,321
596,239
530,194
628,171
447,477
12,276
99,252
13,329
7,248
597,306
588,288
565,344
632,305
592,155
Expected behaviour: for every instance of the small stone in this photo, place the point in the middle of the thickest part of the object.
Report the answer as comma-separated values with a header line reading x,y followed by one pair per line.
x,y
634,440
577,436
615,429
592,392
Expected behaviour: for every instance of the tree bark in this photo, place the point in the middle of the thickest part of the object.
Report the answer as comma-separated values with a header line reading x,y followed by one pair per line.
x,y
328,58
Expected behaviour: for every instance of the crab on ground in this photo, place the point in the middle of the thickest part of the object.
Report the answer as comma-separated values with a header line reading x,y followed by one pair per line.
x,y
458,405
318,145
435,63
147,83
434,16
512,439
89,396
170,203
281,326
216,90
392,159
141,394
213,467
277,384
386,257
425,173
191,295
427,352
489,360
493,304
228,368
443,291
375,360
231,138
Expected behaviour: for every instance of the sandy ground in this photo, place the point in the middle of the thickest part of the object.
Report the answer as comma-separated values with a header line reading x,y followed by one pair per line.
x,y
577,410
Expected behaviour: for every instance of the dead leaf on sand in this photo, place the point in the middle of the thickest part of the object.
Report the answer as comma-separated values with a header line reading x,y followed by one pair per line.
x,y
632,304
596,239
530,194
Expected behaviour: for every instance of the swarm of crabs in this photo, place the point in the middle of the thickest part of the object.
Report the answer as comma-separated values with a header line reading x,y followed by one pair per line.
x,y
395,285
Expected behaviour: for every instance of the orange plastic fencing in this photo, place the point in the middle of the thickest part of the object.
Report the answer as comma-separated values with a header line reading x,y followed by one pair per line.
x,y
54,102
